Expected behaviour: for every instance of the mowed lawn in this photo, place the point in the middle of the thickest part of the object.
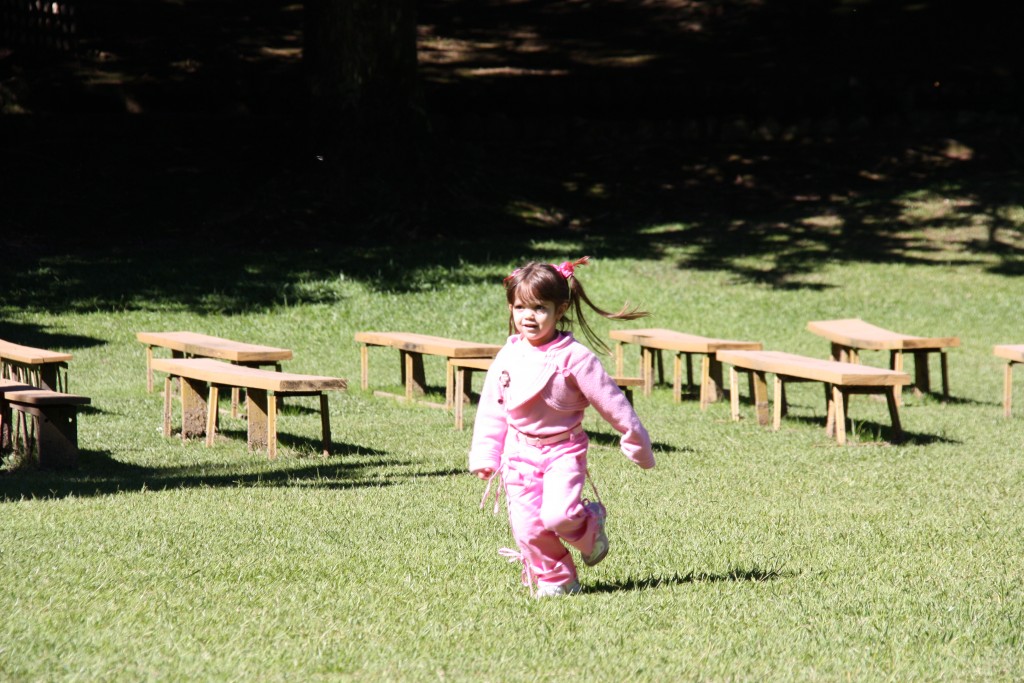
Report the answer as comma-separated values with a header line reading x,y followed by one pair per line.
x,y
746,554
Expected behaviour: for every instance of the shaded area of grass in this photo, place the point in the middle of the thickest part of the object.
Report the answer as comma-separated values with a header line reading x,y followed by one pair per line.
x,y
783,133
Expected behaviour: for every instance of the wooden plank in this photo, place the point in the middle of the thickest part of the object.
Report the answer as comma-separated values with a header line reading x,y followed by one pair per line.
x,y
671,340
29,355
219,372
833,372
207,346
424,343
45,397
1014,352
858,334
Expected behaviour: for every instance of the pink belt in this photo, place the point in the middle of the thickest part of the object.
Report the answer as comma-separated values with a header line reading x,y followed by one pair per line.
x,y
548,440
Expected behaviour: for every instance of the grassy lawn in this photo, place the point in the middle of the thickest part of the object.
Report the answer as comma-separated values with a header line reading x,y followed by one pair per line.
x,y
746,554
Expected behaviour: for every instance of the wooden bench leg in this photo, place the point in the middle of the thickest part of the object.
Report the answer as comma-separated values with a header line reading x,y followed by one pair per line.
x,y
839,408
922,380
49,377
413,375
620,359
54,434
894,414
830,412
780,398
761,397
5,425
896,363
168,390
705,381
212,410
1007,388
149,369
943,364
193,407
364,366
647,369
734,393
257,409
460,387
677,378
325,424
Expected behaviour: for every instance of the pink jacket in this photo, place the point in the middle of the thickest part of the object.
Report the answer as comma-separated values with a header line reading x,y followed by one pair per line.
x,y
543,391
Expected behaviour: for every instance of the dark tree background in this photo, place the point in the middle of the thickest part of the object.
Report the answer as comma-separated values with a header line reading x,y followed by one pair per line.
x,y
373,119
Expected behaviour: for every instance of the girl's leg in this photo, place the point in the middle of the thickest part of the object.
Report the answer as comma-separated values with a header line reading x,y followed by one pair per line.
x,y
562,510
549,561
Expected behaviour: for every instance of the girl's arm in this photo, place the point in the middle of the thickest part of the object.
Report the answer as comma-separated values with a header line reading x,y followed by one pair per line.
x,y
490,427
611,404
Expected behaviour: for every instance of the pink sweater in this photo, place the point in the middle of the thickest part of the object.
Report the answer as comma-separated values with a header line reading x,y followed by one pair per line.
x,y
543,391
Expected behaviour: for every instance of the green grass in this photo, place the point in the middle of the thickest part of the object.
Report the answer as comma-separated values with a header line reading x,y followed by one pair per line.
x,y
746,554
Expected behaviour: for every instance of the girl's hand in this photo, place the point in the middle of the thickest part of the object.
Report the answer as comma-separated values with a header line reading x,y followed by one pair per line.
x,y
485,473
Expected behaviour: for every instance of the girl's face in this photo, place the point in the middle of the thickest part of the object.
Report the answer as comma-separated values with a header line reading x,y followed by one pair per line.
x,y
537,321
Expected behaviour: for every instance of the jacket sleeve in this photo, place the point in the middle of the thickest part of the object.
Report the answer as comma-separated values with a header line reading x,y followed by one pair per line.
x,y
611,404
491,425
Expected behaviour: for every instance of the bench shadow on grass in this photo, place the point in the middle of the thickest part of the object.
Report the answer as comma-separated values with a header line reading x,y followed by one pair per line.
x,y
870,433
753,574
99,474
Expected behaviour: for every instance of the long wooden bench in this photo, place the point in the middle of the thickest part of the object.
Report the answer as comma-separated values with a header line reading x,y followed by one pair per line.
x,y
463,368
201,379
840,379
412,348
46,424
653,341
38,367
849,336
195,345
1011,353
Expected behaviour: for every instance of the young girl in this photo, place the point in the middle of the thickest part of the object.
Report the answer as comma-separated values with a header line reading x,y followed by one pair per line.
x,y
528,425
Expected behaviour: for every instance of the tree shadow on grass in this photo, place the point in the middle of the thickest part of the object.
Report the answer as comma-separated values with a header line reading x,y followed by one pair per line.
x,y
37,336
753,574
100,474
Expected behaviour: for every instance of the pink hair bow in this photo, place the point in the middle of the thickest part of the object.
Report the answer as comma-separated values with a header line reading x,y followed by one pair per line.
x,y
566,268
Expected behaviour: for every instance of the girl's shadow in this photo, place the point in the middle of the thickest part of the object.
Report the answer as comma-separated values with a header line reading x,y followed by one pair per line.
x,y
738,574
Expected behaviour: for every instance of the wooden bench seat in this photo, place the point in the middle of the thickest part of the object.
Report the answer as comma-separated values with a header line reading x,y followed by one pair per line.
x,y
1011,353
37,367
412,348
653,341
46,424
462,370
195,345
199,407
850,335
840,379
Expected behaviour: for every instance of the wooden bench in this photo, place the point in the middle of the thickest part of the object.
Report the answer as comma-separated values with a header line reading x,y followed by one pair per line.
x,y
47,423
840,379
199,412
655,340
194,345
462,370
850,335
37,367
412,347
1012,353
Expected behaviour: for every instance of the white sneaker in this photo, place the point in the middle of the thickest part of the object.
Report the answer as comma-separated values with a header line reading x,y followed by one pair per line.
x,y
601,541
551,591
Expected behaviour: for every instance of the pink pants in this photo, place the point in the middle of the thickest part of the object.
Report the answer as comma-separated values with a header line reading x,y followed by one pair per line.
x,y
544,485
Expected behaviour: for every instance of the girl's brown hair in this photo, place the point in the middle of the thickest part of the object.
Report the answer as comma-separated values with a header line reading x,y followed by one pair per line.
x,y
537,282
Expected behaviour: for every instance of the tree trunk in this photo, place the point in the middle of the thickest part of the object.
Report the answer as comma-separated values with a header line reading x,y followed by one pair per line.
x,y
361,65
